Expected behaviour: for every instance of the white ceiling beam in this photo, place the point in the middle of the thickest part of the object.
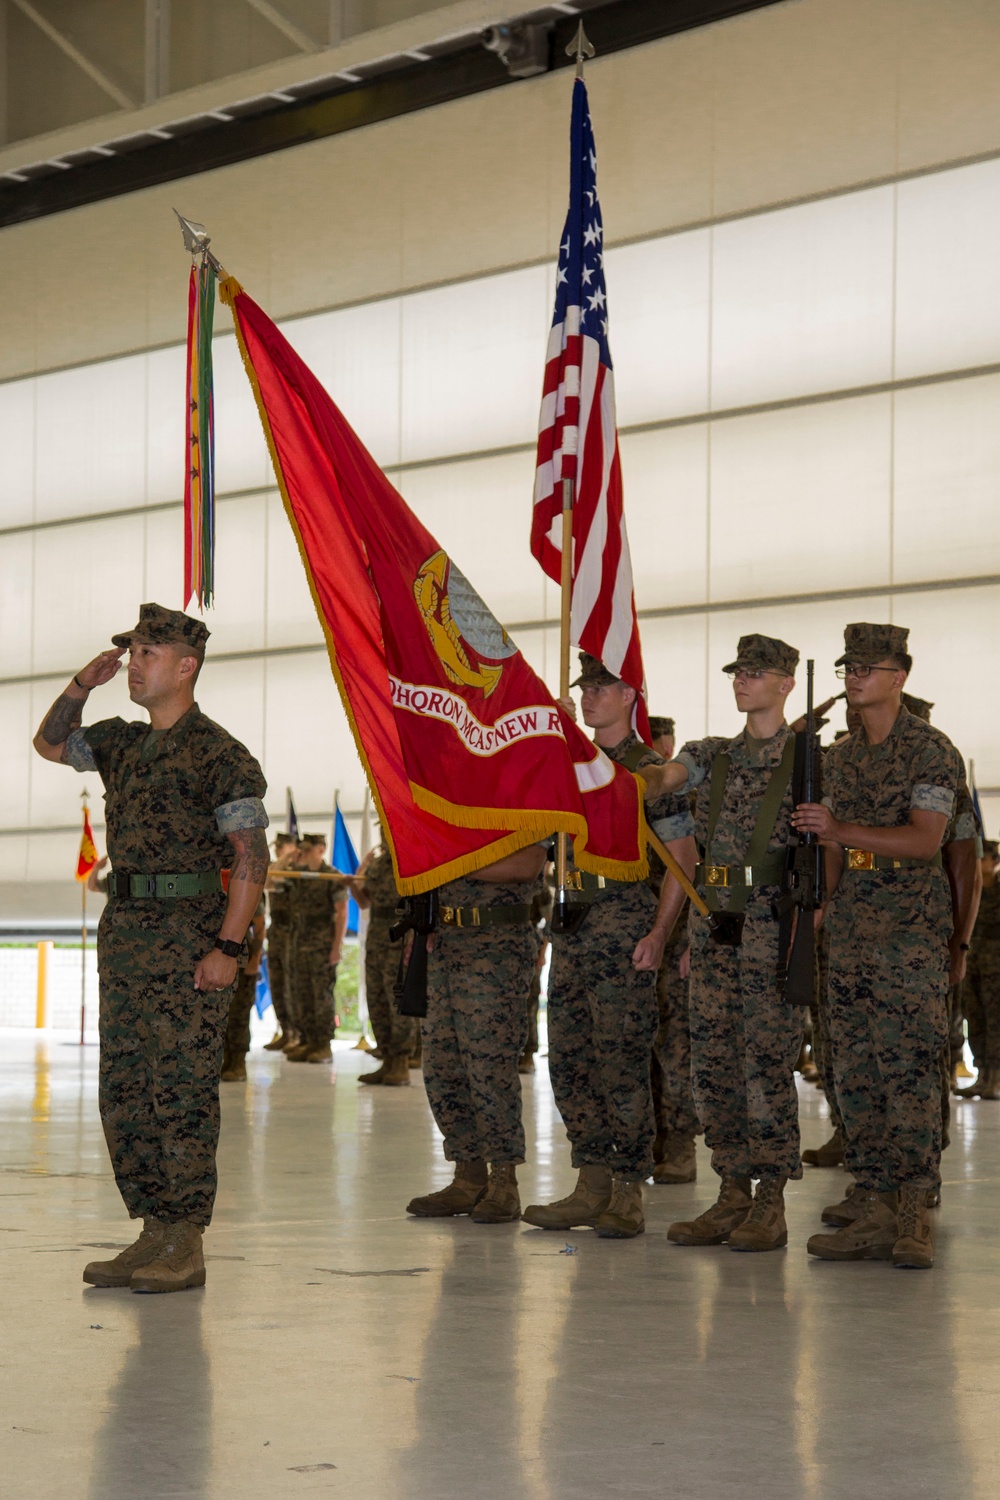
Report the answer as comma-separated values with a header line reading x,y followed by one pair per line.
x,y
280,22
70,50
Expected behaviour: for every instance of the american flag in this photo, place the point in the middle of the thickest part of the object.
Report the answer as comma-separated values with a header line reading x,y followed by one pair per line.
x,y
578,435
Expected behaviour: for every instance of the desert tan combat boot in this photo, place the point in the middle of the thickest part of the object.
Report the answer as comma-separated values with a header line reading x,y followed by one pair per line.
x,y
234,1069
583,1207
118,1272
322,1053
914,1247
299,1052
459,1197
277,1043
623,1218
830,1154
677,1159
870,1237
377,1077
501,1203
986,1086
715,1225
764,1227
179,1262
397,1073
852,1207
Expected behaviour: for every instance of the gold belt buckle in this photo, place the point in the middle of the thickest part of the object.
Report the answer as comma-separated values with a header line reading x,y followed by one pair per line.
x,y
601,883
716,874
574,880
448,916
860,859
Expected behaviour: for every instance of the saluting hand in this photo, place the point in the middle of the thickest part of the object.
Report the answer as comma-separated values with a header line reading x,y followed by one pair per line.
x,y
101,670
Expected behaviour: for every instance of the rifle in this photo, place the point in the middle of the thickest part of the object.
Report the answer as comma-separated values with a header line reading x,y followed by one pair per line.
x,y
803,884
419,916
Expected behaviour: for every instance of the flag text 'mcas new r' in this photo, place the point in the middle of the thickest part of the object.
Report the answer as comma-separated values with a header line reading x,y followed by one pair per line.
x,y
468,755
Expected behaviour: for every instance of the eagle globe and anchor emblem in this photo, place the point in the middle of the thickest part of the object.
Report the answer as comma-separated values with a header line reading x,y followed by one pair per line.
x,y
461,626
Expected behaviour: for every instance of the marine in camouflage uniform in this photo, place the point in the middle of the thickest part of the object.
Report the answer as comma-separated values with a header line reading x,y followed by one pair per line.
x,y
889,921
981,989
674,1111
395,1034
602,1013
237,1040
279,926
478,976
179,801
318,916
745,1037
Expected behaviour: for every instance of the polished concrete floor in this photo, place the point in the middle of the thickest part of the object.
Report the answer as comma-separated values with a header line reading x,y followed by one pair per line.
x,y
341,1348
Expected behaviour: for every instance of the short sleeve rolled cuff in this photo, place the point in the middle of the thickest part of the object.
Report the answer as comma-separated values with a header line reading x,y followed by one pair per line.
x,y
696,773
78,753
965,828
678,826
245,812
937,799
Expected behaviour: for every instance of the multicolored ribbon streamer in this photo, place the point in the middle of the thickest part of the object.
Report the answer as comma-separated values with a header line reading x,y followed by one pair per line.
x,y
199,479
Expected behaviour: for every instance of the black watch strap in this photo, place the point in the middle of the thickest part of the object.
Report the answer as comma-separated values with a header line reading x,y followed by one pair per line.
x,y
228,947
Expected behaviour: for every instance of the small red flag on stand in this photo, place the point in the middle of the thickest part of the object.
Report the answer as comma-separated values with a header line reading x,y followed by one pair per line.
x,y
87,858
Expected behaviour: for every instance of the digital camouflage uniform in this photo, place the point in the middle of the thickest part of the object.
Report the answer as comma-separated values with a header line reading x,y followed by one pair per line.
x,y
602,1012
673,1099
278,937
981,990
474,1030
888,933
171,797
961,829
395,1034
313,917
745,1039
237,1041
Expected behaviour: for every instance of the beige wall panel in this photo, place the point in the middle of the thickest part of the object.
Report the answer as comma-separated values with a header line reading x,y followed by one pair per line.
x,y
16,730
949,103
16,604
804,102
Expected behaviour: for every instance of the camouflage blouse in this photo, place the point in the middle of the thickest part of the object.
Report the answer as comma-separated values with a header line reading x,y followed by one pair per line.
x,y
752,763
171,795
915,766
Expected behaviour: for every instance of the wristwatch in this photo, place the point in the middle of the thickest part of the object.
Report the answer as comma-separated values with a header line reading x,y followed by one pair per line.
x,y
228,947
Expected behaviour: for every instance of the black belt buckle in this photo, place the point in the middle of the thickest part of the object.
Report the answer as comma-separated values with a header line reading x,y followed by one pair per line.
x,y
726,928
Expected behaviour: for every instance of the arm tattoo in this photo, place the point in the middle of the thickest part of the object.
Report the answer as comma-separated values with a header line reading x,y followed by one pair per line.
x,y
65,715
252,855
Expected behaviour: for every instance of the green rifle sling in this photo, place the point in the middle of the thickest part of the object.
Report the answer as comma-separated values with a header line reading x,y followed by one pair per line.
x,y
767,817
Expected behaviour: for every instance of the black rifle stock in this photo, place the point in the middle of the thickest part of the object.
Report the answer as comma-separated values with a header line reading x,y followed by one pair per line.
x,y
419,916
803,884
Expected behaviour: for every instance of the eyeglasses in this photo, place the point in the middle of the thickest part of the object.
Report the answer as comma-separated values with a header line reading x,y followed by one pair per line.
x,y
753,674
856,669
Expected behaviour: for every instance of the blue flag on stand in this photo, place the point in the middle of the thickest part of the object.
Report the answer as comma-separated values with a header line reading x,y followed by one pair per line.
x,y
345,859
262,994
291,819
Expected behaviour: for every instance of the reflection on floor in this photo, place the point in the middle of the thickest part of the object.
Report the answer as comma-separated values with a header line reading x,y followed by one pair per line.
x,y
340,1348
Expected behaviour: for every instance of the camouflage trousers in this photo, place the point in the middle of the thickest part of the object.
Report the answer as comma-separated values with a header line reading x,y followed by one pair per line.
x,y
981,1002
673,1100
602,1020
237,1043
473,1035
887,1002
745,1042
822,1047
161,1048
312,998
395,1034
278,975
531,1014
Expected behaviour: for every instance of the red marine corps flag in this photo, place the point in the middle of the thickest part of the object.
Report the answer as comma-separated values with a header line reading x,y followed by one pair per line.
x,y
87,858
467,753
578,467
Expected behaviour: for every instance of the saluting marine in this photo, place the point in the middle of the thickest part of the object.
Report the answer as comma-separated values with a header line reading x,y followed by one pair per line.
x,y
183,800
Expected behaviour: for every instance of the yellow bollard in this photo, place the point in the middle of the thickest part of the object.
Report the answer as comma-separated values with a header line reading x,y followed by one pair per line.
x,y
41,992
